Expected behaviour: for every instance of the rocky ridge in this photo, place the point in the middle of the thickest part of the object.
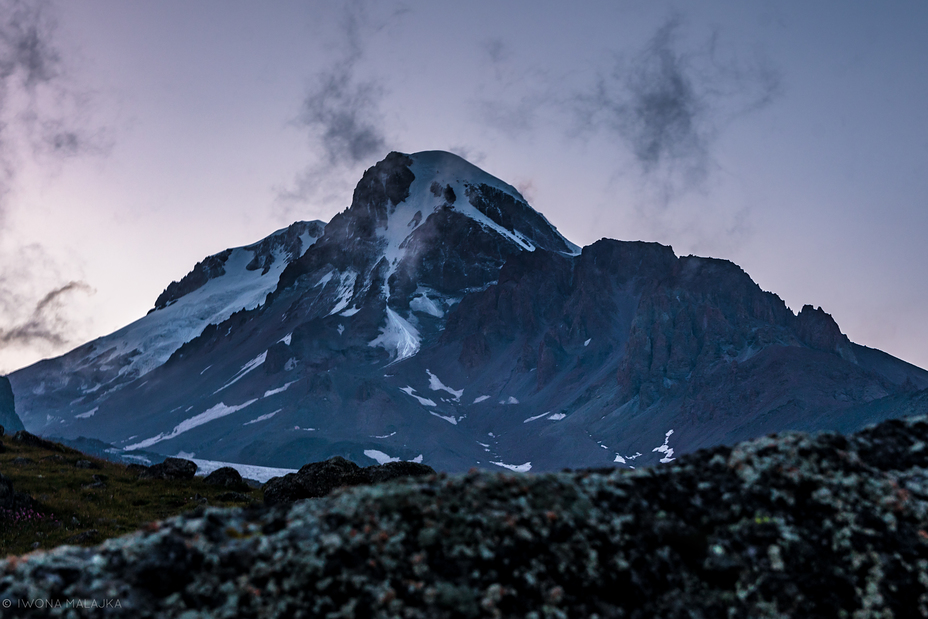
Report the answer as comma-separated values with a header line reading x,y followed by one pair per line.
x,y
788,525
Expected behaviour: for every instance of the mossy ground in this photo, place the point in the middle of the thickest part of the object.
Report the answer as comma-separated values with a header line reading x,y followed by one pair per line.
x,y
69,505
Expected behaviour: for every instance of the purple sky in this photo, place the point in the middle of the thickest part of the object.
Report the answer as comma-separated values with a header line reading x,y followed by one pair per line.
x,y
136,138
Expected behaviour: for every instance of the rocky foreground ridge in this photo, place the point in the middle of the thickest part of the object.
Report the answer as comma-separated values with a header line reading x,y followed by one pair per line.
x,y
790,525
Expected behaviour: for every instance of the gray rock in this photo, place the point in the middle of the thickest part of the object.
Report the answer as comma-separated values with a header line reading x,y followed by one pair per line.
x,y
171,468
318,479
227,477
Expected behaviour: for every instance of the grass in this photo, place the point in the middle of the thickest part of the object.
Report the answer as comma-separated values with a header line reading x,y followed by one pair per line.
x,y
70,506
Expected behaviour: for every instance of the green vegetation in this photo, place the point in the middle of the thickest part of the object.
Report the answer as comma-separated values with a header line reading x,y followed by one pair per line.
x,y
83,500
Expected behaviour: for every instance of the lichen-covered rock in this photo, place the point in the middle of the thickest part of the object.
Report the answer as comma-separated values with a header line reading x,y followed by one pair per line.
x,y
171,468
318,479
785,526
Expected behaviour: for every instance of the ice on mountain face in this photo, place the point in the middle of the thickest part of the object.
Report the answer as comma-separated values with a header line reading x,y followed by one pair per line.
x,y
379,456
619,459
271,392
385,435
417,459
148,342
351,311
511,400
206,368
262,417
398,337
286,339
412,392
344,292
557,416
88,414
587,343
481,398
248,367
216,412
518,468
248,471
341,329
450,420
422,303
435,384
665,449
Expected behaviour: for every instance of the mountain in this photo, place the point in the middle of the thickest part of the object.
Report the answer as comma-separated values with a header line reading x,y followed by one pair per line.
x,y
441,319
9,420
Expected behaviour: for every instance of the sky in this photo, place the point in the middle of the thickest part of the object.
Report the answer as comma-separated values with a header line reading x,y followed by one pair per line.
x,y
137,138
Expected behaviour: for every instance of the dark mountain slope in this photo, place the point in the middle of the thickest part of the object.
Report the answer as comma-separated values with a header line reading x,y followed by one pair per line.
x,y
440,318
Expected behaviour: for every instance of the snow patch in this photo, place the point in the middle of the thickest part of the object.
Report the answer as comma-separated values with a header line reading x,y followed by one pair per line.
x,y
216,412
397,337
278,390
88,414
481,398
535,417
435,384
248,367
424,304
340,329
511,400
450,420
248,471
587,343
286,339
379,456
345,291
665,449
518,468
262,417
557,416
412,392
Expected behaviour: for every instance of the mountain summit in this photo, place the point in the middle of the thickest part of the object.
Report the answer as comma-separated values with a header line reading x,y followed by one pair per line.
x,y
440,318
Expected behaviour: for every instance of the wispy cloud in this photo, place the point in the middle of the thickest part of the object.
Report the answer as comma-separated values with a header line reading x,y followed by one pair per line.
x,y
47,323
341,112
667,105
44,119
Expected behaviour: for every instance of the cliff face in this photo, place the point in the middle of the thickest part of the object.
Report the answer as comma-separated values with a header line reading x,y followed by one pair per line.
x,y
8,417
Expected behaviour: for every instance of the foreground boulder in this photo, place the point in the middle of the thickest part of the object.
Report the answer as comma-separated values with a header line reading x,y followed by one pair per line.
x,y
318,479
171,468
226,477
784,526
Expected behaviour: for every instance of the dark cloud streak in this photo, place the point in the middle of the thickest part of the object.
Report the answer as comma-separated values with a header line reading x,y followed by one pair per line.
x,y
42,116
48,323
668,104
342,112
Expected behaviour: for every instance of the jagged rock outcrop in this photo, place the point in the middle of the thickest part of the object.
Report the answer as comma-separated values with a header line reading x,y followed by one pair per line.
x,y
8,417
205,270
